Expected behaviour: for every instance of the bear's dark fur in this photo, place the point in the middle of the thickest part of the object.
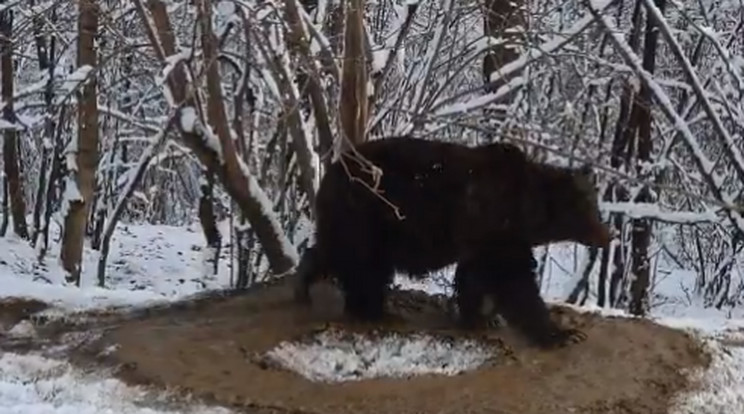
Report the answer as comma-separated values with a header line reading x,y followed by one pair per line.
x,y
483,208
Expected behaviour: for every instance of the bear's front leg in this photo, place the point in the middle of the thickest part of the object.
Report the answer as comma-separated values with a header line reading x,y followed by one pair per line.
x,y
508,273
469,295
365,288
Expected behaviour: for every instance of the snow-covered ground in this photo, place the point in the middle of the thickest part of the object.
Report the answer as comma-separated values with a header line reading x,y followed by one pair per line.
x,y
150,264
31,384
146,265
336,357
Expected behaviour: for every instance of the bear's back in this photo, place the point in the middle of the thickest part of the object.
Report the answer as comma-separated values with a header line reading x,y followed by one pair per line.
x,y
417,212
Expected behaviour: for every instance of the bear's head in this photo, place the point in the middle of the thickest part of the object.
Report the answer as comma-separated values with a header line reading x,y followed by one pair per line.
x,y
573,212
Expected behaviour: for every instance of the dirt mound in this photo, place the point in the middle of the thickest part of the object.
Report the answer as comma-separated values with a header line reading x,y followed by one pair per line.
x,y
216,349
14,310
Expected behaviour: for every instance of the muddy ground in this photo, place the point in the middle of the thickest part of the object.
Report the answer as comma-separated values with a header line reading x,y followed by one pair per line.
x,y
210,347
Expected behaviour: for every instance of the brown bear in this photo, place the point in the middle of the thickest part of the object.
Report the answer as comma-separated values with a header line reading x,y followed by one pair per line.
x,y
438,203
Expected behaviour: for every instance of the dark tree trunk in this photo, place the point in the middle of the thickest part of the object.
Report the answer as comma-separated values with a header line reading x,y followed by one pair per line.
x,y
45,54
207,219
11,155
641,232
4,207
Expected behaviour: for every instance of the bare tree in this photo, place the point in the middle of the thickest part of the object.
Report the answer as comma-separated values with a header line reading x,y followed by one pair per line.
x,y
10,129
353,103
641,231
82,157
207,220
45,51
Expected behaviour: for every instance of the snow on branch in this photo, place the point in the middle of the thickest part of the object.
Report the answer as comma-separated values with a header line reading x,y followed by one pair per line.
x,y
190,123
731,147
267,210
732,66
431,55
74,79
446,106
171,62
701,160
121,116
654,211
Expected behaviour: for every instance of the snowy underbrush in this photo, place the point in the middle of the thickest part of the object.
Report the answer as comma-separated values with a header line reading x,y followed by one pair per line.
x,y
146,265
332,356
32,384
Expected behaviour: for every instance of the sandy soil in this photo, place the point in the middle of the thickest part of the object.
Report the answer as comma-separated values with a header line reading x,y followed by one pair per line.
x,y
210,348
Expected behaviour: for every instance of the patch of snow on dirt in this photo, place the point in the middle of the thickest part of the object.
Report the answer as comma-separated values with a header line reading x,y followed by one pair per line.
x,y
721,385
31,384
334,357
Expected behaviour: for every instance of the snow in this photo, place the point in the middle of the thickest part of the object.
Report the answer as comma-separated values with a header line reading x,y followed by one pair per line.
x,y
32,384
188,119
647,210
722,385
226,9
74,79
190,123
379,57
267,209
146,265
332,357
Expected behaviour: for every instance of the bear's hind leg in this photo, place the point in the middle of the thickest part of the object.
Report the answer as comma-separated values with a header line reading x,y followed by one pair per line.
x,y
308,272
510,277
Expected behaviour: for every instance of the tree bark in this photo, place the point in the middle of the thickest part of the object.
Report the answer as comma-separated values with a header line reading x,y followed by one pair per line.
x,y
641,232
45,54
207,220
11,157
618,161
4,206
353,102
83,173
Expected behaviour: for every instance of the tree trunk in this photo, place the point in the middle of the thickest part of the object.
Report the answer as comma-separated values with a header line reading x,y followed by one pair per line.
x,y
10,142
81,179
45,54
244,237
582,286
641,232
353,102
616,192
4,207
208,223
